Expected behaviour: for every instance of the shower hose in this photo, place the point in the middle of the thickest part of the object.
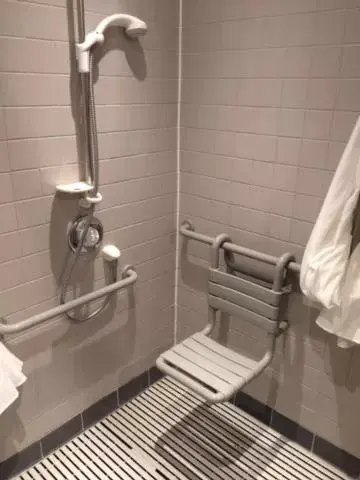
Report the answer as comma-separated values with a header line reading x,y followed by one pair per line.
x,y
93,163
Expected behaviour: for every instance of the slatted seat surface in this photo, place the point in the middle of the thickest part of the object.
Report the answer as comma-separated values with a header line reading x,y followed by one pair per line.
x,y
201,360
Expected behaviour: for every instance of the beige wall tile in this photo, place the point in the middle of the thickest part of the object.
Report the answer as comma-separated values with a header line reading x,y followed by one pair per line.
x,y
306,207
290,123
346,97
6,189
26,184
299,58
329,28
288,150
34,239
8,216
34,212
250,220
313,182
45,90
24,296
33,56
38,122
334,154
10,246
342,125
321,93
4,158
258,92
300,232
325,61
297,62
313,153
34,21
257,147
317,124
300,29
42,152
52,176
294,93
352,34
2,125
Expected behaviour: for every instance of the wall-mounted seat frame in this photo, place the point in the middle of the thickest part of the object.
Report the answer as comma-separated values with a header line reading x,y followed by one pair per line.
x,y
211,369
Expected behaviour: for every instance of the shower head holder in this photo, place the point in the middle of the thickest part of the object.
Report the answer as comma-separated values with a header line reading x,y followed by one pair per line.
x,y
83,49
134,27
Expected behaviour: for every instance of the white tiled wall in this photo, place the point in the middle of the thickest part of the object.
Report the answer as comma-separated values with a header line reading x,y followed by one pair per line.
x,y
270,92
69,366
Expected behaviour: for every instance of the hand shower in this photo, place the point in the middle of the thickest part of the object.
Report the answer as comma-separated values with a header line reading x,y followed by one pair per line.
x,y
134,27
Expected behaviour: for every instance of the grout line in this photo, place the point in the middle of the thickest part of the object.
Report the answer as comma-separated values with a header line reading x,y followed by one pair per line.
x,y
312,443
82,420
41,448
259,160
150,130
316,10
271,417
286,43
178,133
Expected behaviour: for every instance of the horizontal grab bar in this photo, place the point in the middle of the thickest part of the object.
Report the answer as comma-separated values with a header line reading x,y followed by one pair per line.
x,y
186,229
129,278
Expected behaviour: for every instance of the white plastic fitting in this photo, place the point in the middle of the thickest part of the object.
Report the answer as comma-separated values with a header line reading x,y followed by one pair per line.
x,y
87,201
83,49
134,27
74,188
111,253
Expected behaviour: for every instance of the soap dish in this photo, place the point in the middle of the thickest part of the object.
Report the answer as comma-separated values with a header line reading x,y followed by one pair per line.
x,y
74,188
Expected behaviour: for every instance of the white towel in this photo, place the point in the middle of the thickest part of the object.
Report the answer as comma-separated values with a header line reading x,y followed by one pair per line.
x,y
329,274
11,377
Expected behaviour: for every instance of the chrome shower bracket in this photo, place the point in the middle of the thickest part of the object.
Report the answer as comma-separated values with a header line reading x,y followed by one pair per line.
x,y
93,238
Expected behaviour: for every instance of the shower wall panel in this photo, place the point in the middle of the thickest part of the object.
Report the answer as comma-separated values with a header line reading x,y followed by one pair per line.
x,y
69,367
270,93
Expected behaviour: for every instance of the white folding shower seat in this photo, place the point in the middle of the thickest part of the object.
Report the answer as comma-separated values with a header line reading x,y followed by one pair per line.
x,y
210,369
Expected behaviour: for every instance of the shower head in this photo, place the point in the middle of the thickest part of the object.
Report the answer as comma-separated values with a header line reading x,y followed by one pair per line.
x,y
133,26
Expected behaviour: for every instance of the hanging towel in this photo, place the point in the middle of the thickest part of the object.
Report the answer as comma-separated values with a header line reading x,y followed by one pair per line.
x,y
330,273
11,377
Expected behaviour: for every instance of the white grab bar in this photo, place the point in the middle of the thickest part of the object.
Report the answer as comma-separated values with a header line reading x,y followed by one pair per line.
x,y
187,230
129,278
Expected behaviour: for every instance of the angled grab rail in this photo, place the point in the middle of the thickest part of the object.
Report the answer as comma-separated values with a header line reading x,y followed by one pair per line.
x,y
129,278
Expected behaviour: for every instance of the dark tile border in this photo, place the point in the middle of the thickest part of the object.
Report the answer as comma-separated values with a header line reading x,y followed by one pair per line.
x,y
61,435
292,430
345,461
133,388
253,407
334,455
154,375
32,454
15,464
100,409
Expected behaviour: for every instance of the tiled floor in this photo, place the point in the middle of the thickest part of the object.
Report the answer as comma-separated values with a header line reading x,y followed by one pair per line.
x,y
167,432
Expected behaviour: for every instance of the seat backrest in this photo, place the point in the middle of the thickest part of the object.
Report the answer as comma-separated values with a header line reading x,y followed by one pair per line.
x,y
247,298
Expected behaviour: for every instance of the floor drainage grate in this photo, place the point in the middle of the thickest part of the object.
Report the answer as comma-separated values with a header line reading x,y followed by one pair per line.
x,y
167,433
